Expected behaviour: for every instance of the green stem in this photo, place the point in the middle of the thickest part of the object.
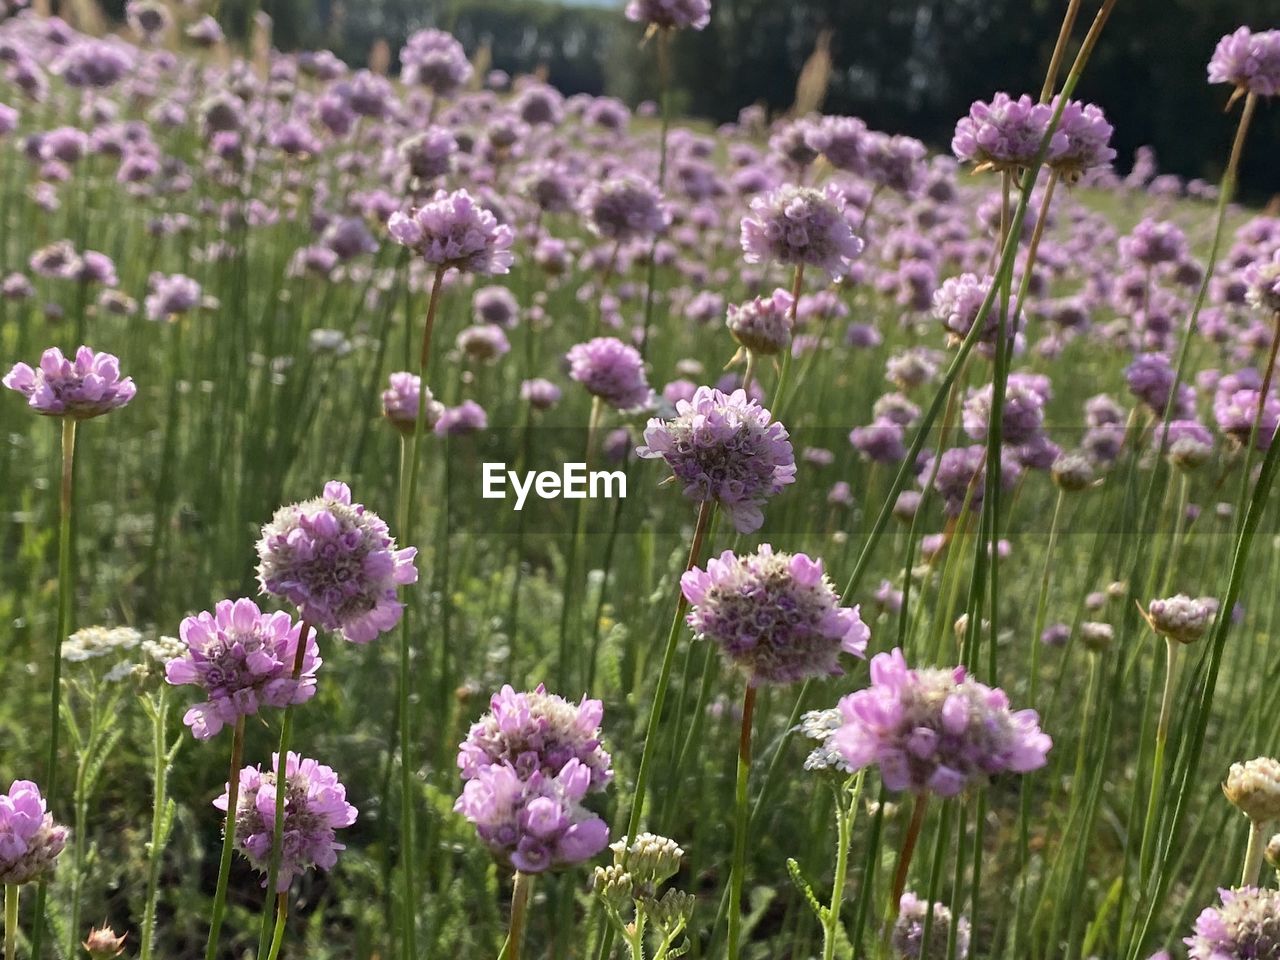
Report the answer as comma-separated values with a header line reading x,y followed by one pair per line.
x,y
514,946
10,921
844,829
66,503
738,870
228,843
282,915
1157,764
1253,855
160,779
797,281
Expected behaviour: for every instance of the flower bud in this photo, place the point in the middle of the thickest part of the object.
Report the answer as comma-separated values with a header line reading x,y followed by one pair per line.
x,y
650,859
1273,851
1073,472
1254,787
1179,618
103,944
672,912
1096,636
613,885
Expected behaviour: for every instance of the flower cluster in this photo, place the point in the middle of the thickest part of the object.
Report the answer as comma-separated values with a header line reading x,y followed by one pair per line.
x,y
242,659
1254,788
527,765
1006,134
611,370
801,226
908,931
435,60
936,730
1245,925
337,563
86,387
625,207
537,731
762,325
774,615
453,230
1248,61
1180,618
670,14
315,806
29,839
726,449
400,403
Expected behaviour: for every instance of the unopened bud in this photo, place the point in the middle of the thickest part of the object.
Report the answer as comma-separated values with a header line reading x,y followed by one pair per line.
x,y
103,944
1254,787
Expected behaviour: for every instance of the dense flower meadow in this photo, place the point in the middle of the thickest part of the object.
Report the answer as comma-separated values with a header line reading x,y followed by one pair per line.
x,y
929,613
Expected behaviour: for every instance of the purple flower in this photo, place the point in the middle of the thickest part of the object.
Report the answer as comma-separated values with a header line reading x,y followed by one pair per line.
x,y
1022,418
337,563
908,931
958,301
1153,242
762,325
895,162
1262,283
800,225
540,394
961,477
1244,926
84,388
537,824
483,343
400,403
936,730
429,154
90,62
1006,134
242,659
205,32
171,295
1236,412
842,140
1088,140
881,442
726,449
1187,443
495,305
611,370
466,417
1248,61
670,14
537,732
624,208
775,615
1150,377
315,807
29,839
453,230
436,60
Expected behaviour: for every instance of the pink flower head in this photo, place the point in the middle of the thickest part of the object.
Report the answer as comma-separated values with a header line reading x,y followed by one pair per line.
x,y
86,387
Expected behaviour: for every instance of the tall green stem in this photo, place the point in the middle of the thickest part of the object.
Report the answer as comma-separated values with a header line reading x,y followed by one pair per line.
x,y
1253,855
282,915
10,921
846,805
66,590
410,458
161,815
228,843
1157,763
738,870
514,945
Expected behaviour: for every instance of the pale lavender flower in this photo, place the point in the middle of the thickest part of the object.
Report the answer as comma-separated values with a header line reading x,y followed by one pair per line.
x,y
429,154
1246,926
466,417
171,295
800,226
337,563
908,931
84,388
242,659
436,60
774,615
1262,283
1006,134
537,732
30,840
1088,137
537,824
453,230
1248,61
762,325
400,403
315,808
726,449
624,208
670,14
539,393
611,370
936,730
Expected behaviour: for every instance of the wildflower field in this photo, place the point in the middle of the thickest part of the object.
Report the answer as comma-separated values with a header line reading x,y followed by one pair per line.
x,y
590,509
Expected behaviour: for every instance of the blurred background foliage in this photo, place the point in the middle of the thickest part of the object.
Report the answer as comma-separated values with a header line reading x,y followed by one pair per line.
x,y
906,66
